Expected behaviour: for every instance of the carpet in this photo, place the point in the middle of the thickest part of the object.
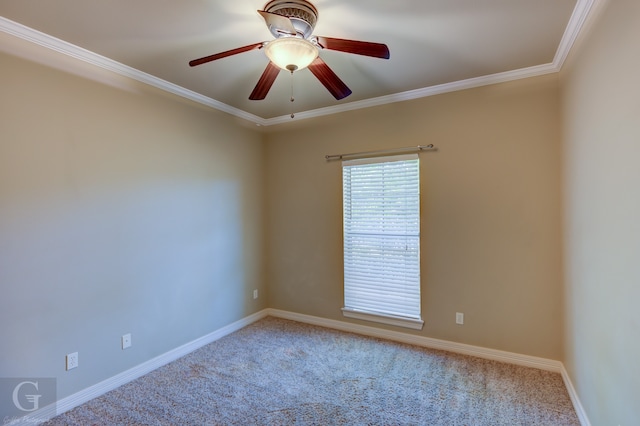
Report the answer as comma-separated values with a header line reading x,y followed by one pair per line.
x,y
280,372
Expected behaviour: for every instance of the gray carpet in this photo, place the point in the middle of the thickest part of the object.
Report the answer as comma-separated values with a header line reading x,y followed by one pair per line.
x,y
279,372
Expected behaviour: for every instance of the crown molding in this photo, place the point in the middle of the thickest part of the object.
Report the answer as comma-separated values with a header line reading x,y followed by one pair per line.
x,y
55,44
576,22
422,93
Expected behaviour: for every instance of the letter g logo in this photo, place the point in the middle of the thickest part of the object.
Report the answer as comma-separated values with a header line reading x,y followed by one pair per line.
x,y
31,398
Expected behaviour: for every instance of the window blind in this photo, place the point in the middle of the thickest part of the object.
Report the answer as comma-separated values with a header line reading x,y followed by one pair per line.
x,y
381,210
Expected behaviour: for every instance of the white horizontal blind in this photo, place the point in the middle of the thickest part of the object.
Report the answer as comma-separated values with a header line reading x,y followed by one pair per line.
x,y
381,198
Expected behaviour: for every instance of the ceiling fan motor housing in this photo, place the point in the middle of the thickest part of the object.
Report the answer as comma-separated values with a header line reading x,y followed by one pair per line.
x,y
302,14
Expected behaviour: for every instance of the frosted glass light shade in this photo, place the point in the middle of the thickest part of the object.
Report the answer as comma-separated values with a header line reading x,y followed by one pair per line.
x,y
291,53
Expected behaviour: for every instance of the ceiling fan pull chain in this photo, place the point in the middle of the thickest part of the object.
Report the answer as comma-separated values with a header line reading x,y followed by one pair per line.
x,y
292,114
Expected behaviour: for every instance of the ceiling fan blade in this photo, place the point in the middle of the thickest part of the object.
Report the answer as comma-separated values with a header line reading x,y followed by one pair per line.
x,y
280,23
329,79
221,55
266,81
376,50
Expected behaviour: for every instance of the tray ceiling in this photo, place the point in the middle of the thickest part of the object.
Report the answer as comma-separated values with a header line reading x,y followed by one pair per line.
x,y
435,45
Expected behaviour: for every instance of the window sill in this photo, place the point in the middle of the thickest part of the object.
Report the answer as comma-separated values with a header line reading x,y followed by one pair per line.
x,y
415,324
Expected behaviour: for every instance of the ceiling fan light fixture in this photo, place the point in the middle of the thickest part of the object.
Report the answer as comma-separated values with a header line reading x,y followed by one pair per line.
x,y
291,53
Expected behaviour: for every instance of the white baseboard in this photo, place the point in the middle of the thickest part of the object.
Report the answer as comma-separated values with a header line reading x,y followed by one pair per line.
x,y
428,342
461,348
111,383
577,405
78,398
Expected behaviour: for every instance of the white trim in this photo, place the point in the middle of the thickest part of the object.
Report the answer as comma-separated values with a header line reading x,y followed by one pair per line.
x,y
65,404
577,405
461,348
415,324
455,86
579,16
29,34
580,13
111,383
427,342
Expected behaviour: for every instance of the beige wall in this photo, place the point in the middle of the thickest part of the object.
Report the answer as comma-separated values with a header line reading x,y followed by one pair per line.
x,y
122,210
602,210
491,222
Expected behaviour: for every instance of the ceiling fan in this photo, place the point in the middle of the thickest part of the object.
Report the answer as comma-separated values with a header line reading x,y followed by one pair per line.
x,y
292,22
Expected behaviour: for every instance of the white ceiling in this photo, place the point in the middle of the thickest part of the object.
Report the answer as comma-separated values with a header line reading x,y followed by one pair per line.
x,y
435,45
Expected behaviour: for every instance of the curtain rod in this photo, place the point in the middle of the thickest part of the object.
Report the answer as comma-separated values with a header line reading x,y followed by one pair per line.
x,y
352,155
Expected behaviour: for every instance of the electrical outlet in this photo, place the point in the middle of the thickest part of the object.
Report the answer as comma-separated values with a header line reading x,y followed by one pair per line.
x,y
255,294
459,318
72,360
126,341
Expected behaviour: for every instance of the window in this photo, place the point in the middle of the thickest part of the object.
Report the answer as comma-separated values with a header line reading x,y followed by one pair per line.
x,y
381,218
